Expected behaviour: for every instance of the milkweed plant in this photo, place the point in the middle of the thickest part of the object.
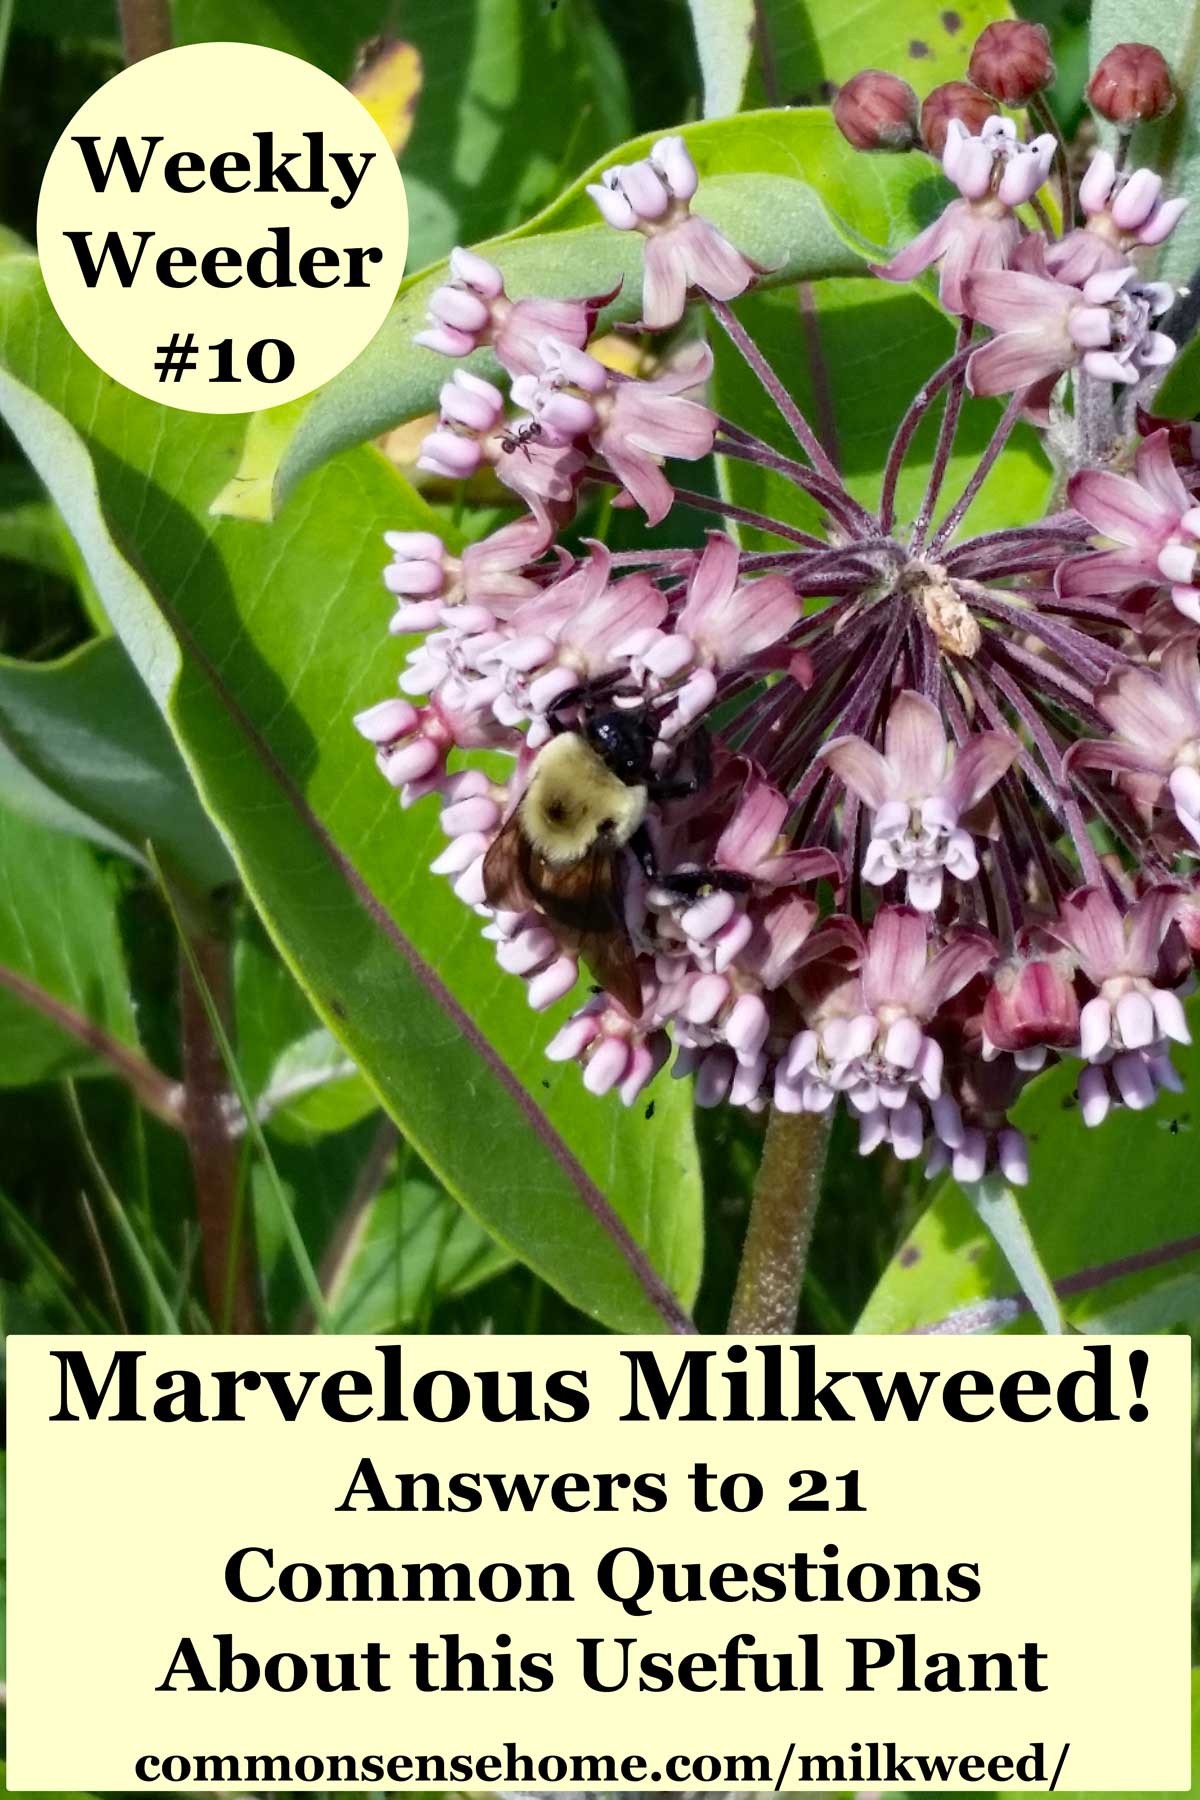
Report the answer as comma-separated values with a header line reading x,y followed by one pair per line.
x,y
954,808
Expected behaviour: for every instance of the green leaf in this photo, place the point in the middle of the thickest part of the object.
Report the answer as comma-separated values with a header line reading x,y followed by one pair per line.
x,y
1112,1212
807,46
29,531
411,1248
725,31
487,149
86,729
876,344
58,931
259,645
1172,146
785,187
1179,395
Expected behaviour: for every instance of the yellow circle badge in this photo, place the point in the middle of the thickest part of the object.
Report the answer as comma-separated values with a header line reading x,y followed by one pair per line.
x,y
222,227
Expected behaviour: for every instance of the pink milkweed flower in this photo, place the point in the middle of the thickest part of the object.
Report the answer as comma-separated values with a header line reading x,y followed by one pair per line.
x,y
1031,1007
633,424
615,1051
723,623
1045,326
1152,519
867,1040
1130,1019
434,588
1156,717
918,790
993,173
1124,212
473,309
471,431
470,408
683,250
570,635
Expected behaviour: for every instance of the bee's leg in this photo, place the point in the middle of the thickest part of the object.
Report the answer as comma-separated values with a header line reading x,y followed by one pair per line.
x,y
688,884
694,754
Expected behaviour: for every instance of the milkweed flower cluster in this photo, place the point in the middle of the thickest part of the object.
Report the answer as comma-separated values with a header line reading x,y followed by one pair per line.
x,y
949,827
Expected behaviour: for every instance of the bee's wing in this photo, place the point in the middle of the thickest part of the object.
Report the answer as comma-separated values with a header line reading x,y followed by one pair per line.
x,y
504,881
584,902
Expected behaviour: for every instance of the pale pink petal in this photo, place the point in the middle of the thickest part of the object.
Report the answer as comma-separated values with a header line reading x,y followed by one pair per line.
x,y
664,282
752,832
1143,710
1149,919
1123,509
1008,300
967,954
713,265
915,743
1015,360
978,766
1090,924
922,253
1106,572
1158,475
1181,676
897,949
860,766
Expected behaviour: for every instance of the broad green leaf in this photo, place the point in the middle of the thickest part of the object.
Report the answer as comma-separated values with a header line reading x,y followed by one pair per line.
x,y
1179,395
1114,1214
725,32
412,1247
86,729
808,47
515,96
876,344
58,931
1172,146
259,645
784,186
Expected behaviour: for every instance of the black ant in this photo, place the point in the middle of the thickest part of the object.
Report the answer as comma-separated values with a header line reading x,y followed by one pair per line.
x,y
520,438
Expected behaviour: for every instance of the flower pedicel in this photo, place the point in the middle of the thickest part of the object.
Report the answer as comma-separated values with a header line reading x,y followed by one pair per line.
x,y
941,792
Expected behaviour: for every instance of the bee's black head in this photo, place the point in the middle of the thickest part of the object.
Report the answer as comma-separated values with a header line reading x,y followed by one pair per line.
x,y
624,740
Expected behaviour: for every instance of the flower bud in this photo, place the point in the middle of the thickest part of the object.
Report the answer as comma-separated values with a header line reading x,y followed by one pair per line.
x,y
876,111
1032,1003
1011,61
953,100
1131,84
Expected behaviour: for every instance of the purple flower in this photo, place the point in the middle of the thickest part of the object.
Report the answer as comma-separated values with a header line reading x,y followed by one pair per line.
x,y
632,424
473,309
1124,212
683,251
1045,326
1153,520
918,790
723,623
994,173
1129,1020
1156,718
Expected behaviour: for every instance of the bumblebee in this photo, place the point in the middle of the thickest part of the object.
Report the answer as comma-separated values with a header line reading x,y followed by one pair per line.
x,y
586,801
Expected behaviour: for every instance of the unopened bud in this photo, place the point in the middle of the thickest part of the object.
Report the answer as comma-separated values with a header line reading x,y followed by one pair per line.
x,y
1032,1003
1012,61
876,111
1132,83
953,100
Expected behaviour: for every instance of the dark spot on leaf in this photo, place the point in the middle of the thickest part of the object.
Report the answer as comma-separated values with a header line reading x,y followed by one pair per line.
x,y
546,1085
1069,1103
649,1112
801,100
918,49
828,91
977,1253
908,1256
952,22
337,1009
